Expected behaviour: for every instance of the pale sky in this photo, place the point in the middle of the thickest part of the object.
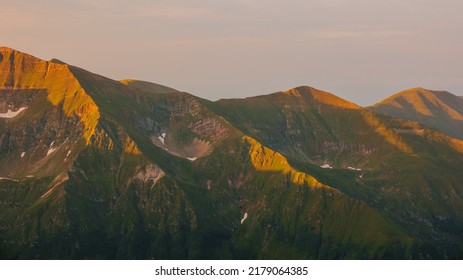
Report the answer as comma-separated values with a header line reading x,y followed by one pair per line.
x,y
360,50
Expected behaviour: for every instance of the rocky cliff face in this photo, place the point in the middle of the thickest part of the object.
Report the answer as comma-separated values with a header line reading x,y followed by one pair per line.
x,y
96,168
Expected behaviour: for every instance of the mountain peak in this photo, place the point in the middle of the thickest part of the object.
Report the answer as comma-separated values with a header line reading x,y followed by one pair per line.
x,y
6,49
417,91
26,73
22,70
9,54
28,58
423,101
92,168
320,96
300,91
437,109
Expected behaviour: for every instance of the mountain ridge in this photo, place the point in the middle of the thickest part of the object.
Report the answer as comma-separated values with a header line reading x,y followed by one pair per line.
x,y
437,109
98,168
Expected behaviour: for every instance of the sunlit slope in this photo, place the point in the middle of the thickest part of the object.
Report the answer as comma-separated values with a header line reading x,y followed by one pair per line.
x,y
164,121
314,126
53,117
279,211
162,116
69,191
63,163
22,72
97,168
395,163
440,110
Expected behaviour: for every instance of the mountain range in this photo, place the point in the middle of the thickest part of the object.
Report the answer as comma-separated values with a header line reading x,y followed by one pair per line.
x,y
93,168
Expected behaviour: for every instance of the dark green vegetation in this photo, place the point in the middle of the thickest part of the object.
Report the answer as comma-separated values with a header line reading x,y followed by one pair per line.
x,y
96,168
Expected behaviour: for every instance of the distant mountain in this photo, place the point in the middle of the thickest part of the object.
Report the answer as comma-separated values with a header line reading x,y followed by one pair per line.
x,y
437,109
96,168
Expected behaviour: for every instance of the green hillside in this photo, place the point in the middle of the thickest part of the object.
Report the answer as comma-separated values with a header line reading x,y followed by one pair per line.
x,y
93,168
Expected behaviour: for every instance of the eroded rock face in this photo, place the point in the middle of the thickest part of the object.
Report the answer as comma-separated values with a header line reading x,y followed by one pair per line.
x,y
13,100
149,175
30,137
181,126
181,106
350,149
209,128
22,77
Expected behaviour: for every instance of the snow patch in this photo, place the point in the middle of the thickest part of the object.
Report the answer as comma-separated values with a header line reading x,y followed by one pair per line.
x,y
9,179
162,138
23,154
191,158
58,181
353,168
51,150
11,114
30,176
325,166
244,217
69,152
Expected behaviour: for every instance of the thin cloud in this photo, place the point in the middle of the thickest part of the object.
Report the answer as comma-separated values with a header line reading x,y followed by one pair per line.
x,y
173,12
347,34
147,10
17,19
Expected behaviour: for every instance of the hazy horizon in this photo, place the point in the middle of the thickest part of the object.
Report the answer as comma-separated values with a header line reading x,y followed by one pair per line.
x,y
362,51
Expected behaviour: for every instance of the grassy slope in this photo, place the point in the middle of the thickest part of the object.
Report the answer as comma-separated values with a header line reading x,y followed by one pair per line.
x,y
102,211
223,199
398,159
440,110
